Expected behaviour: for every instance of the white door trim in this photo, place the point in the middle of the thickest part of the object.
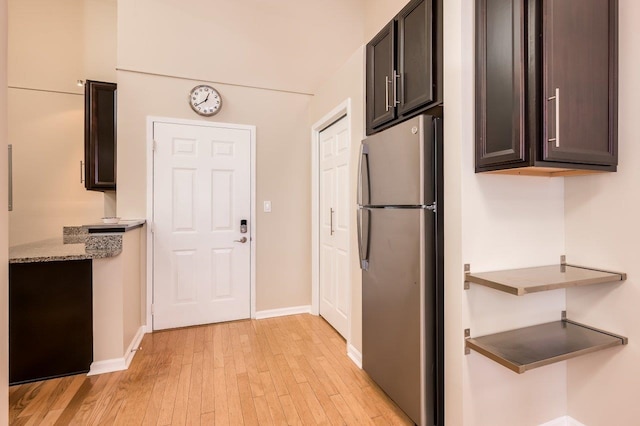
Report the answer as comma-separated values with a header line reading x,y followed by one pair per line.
x,y
149,148
344,108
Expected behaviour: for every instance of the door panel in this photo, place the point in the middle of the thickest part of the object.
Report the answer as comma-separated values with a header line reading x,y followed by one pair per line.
x,y
500,101
395,159
579,60
415,61
380,74
202,190
334,226
397,349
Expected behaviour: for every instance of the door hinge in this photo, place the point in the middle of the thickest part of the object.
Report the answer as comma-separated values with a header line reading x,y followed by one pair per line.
x,y
432,207
154,146
153,309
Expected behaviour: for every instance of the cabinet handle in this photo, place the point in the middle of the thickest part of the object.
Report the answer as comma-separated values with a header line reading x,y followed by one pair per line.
x,y
386,93
331,220
81,171
396,76
557,99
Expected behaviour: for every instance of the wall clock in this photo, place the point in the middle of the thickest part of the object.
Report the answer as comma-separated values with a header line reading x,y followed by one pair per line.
x,y
205,100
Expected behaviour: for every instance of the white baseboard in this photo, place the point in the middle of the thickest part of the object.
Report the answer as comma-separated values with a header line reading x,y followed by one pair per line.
x,y
294,310
354,354
118,364
563,421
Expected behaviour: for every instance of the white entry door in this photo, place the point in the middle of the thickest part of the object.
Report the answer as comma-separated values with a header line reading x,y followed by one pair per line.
x,y
201,194
334,225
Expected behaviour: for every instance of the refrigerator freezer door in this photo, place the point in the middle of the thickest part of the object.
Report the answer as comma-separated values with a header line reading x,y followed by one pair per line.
x,y
398,333
396,165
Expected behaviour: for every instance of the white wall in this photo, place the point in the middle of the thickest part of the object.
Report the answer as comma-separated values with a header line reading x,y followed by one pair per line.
x,y
602,231
52,45
378,13
493,223
4,219
288,45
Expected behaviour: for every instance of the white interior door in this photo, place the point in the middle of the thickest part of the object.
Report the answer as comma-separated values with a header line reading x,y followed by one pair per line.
x,y
334,225
201,193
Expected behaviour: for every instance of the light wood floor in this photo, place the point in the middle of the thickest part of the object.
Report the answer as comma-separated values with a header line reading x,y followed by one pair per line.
x,y
282,371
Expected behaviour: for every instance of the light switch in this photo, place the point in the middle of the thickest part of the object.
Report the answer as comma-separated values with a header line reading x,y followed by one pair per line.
x,y
267,206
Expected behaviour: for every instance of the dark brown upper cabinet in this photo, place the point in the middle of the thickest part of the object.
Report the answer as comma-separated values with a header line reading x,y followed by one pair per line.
x,y
100,135
546,86
404,66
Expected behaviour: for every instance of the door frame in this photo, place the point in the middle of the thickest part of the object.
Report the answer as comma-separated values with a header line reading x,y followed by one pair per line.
x,y
150,169
343,109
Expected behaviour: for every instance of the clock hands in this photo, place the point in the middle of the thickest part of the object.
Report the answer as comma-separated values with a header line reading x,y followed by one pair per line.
x,y
205,99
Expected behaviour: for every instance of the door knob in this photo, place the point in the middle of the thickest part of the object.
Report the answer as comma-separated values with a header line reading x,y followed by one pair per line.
x,y
241,240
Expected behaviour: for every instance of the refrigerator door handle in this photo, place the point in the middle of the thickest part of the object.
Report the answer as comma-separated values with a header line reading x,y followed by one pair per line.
x,y
363,244
363,175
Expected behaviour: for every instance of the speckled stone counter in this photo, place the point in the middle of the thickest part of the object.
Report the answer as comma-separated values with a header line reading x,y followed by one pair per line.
x,y
54,249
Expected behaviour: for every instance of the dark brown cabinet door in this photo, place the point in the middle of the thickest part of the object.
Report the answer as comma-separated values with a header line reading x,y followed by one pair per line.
x,y
100,136
500,85
380,77
580,81
415,79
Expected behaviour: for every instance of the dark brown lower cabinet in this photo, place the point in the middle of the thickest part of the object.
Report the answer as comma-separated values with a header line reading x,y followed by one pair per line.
x,y
50,320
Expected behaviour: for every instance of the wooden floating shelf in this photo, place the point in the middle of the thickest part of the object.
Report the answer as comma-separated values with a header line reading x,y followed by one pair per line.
x,y
532,347
542,278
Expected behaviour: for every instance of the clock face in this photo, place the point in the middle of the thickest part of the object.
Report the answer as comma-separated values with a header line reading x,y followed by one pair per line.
x,y
205,100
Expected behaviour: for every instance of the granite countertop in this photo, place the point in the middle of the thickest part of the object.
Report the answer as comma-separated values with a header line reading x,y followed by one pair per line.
x,y
93,241
54,249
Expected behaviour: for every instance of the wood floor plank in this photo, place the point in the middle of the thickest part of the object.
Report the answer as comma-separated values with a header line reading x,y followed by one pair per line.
x,y
40,399
221,404
233,395
194,401
208,403
208,419
51,418
78,402
189,344
344,410
262,411
236,347
170,391
315,408
294,391
181,402
152,412
290,411
271,397
68,392
281,371
249,413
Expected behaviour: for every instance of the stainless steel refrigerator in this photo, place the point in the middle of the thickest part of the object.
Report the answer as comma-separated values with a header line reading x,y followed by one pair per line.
x,y
400,242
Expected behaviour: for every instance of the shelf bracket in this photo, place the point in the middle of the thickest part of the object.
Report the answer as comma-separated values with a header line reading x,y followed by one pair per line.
x,y
563,259
467,271
563,315
467,334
